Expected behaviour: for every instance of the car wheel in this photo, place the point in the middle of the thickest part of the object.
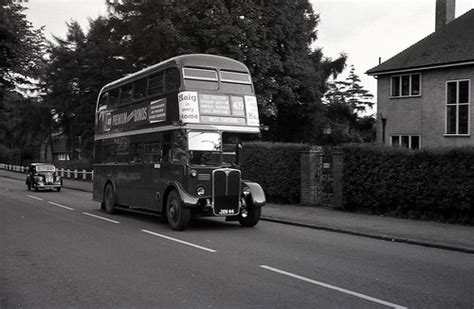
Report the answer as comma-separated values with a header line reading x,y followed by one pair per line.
x,y
58,189
178,216
253,216
109,199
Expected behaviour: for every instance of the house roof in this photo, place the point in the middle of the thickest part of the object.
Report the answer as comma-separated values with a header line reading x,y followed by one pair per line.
x,y
451,45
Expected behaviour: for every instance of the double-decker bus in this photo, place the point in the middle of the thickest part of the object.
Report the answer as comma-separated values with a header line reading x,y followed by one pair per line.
x,y
168,141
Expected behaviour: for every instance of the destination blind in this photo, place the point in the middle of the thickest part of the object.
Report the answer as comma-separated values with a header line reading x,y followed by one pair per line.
x,y
222,109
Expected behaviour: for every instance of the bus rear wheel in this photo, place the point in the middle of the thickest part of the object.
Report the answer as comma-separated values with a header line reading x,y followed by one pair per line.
x,y
178,216
109,199
252,218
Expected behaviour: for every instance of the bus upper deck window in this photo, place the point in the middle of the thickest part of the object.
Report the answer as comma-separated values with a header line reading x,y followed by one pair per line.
x,y
126,93
113,97
155,83
200,74
171,79
103,101
235,77
200,79
139,89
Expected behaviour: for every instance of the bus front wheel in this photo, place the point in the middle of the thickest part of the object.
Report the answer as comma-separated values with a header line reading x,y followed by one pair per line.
x,y
252,218
109,199
178,216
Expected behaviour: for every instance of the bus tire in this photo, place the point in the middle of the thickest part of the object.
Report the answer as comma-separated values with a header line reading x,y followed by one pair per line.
x,y
109,199
178,216
253,216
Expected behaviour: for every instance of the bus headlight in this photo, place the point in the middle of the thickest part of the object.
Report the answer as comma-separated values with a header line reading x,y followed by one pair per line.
x,y
200,191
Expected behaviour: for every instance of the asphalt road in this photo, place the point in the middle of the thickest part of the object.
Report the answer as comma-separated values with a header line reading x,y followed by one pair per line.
x,y
60,250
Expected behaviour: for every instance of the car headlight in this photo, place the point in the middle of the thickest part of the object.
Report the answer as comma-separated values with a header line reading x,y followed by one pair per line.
x,y
200,191
246,191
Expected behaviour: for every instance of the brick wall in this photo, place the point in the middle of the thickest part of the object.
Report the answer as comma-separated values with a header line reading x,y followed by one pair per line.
x,y
321,177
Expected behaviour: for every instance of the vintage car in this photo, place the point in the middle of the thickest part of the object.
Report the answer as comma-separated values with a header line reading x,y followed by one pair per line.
x,y
43,176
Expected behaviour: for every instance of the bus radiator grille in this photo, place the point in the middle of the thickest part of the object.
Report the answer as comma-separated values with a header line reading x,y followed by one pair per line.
x,y
226,192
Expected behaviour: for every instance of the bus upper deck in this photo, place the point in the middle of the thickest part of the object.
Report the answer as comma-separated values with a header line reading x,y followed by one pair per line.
x,y
212,92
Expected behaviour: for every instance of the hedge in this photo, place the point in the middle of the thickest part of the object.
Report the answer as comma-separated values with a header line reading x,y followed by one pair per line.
x,y
276,167
433,184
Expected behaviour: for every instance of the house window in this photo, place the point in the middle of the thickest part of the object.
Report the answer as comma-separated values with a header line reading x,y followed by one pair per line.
x,y
406,141
405,85
457,107
63,157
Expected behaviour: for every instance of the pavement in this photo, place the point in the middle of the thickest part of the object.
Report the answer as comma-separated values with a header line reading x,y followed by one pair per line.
x,y
446,236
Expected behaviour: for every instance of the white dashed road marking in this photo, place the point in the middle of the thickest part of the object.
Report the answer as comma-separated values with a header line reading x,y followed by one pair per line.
x,y
332,287
179,241
99,217
62,206
35,197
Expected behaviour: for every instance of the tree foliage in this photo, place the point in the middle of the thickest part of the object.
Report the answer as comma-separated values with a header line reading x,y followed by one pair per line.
x,y
21,119
79,66
23,122
347,104
272,38
21,47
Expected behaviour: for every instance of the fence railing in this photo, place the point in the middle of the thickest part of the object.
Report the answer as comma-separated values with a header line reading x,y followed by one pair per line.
x,y
65,173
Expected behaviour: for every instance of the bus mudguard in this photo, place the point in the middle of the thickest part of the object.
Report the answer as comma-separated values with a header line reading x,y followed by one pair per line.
x,y
257,195
187,199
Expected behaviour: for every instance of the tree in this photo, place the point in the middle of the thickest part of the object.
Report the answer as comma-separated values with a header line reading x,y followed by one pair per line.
x,y
22,123
272,38
21,50
80,65
346,103
21,47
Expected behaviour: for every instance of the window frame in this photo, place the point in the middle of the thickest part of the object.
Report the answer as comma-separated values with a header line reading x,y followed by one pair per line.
x,y
410,86
161,74
128,89
185,76
457,105
410,140
235,81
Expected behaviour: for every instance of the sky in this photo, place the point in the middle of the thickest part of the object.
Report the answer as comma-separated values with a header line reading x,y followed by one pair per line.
x,y
363,29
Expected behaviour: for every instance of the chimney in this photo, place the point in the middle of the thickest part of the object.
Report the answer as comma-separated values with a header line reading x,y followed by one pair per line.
x,y
445,12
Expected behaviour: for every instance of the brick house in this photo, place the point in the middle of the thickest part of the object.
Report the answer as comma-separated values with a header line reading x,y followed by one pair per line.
x,y
424,93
